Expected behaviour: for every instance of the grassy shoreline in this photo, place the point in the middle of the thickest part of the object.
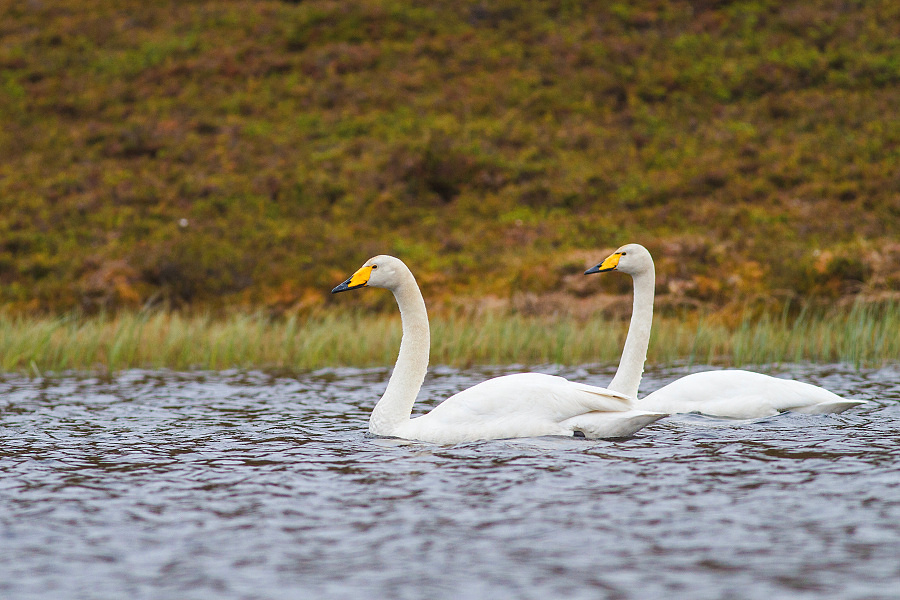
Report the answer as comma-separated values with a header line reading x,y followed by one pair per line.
x,y
861,335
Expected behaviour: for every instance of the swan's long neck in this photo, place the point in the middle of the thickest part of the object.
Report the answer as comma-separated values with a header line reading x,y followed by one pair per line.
x,y
396,404
631,366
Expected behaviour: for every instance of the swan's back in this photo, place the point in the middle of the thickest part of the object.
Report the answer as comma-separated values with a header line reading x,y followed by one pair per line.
x,y
524,405
742,394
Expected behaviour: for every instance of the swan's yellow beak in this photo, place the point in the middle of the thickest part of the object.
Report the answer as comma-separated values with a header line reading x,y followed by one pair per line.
x,y
358,279
610,264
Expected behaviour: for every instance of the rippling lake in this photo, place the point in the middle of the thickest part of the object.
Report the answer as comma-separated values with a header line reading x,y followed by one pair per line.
x,y
227,485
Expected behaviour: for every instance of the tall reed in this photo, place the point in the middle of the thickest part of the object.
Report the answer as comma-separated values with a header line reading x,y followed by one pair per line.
x,y
861,335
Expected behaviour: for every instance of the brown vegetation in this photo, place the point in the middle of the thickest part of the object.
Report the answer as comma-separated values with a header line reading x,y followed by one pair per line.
x,y
252,154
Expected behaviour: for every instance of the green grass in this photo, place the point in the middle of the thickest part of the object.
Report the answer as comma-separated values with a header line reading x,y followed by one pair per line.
x,y
863,335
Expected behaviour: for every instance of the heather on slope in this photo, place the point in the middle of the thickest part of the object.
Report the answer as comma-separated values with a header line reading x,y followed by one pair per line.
x,y
207,154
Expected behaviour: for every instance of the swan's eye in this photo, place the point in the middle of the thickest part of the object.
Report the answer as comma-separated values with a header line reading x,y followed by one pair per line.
x,y
623,254
374,267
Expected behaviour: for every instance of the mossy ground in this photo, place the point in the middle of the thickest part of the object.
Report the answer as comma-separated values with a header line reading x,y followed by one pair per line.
x,y
252,154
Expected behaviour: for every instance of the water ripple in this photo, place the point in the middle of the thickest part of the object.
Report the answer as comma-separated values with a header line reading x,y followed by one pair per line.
x,y
251,485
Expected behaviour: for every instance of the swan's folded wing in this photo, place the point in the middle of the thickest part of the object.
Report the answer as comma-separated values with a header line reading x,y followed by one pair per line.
x,y
538,391
521,405
715,393
742,394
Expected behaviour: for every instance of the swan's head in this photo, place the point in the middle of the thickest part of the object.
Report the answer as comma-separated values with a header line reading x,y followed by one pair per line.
x,y
379,271
633,259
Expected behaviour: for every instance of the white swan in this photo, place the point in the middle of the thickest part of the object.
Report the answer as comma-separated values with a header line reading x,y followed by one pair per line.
x,y
739,394
522,405
728,393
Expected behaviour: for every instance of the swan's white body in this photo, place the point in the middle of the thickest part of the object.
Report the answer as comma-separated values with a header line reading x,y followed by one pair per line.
x,y
742,395
730,393
526,405
513,406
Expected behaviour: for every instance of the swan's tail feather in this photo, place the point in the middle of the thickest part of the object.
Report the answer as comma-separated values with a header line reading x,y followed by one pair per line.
x,y
596,425
829,407
605,399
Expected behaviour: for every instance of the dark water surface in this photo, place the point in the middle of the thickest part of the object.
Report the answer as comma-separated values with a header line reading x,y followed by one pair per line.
x,y
246,485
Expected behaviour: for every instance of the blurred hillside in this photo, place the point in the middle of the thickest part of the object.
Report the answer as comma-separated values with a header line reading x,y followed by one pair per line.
x,y
254,154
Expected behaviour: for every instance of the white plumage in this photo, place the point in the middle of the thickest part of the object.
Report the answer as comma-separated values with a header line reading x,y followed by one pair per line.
x,y
741,394
512,406
527,405
729,393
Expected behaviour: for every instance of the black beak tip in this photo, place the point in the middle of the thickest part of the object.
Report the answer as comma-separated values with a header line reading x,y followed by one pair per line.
x,y
594,269
341,288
